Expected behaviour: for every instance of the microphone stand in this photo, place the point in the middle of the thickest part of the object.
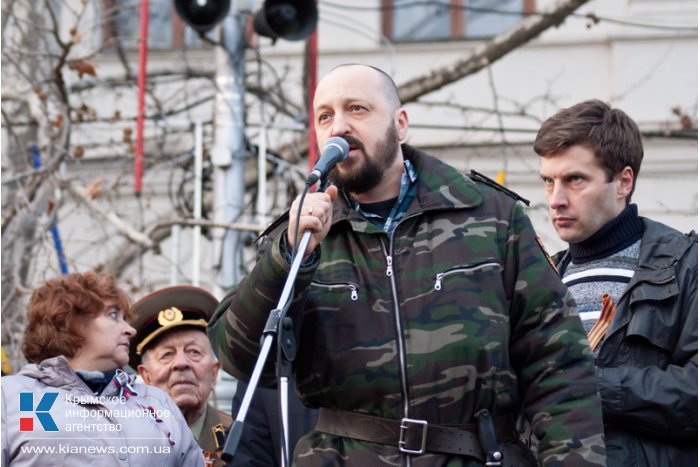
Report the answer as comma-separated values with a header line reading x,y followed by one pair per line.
x,y
280,325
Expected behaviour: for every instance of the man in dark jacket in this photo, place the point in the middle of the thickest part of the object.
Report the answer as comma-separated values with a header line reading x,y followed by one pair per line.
x,y
260,444
635,284
428,316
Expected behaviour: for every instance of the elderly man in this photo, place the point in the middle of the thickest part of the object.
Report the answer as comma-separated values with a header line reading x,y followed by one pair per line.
x,y
172,352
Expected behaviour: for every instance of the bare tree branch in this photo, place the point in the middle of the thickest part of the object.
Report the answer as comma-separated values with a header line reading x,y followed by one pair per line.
x,y
122,227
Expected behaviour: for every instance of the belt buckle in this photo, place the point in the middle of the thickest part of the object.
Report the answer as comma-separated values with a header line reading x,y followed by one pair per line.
x,y
405,424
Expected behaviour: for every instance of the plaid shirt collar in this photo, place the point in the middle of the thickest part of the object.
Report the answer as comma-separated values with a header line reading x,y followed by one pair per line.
x,y
406,195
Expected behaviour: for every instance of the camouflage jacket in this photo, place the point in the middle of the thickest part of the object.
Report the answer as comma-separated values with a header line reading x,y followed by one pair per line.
x,y
457,310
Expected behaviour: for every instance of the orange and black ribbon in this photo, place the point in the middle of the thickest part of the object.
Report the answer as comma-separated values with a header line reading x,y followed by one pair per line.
x,y
597,332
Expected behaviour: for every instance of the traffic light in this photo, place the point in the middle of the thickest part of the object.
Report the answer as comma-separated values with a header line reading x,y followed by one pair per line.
x,y
202,15
287,19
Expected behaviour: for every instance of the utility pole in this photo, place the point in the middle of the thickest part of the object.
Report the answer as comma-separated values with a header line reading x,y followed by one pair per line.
x,y
228,154
285,19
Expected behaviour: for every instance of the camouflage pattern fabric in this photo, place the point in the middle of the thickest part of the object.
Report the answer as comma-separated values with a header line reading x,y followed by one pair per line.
x,y
457,311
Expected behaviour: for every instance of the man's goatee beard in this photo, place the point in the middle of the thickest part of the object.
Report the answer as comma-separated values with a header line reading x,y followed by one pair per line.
x,y
370,170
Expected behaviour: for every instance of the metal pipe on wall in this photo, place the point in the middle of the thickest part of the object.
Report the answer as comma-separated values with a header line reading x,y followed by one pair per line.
x,y
228,154
141,83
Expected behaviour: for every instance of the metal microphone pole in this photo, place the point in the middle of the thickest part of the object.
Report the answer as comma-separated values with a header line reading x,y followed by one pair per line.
x,y
276,322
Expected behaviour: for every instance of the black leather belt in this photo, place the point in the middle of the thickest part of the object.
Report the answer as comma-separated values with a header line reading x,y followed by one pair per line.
x,y
411,436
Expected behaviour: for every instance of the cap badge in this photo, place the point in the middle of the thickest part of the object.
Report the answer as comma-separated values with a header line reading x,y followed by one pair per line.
x,y
169,316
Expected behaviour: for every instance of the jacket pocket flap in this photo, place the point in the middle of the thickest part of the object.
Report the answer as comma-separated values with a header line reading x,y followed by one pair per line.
x,y
655,323
657,286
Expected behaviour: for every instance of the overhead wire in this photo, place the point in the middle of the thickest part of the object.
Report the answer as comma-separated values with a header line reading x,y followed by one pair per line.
x,y
364,30
588,16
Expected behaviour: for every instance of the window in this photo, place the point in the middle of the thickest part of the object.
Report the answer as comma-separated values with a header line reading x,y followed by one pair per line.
x,y
412,21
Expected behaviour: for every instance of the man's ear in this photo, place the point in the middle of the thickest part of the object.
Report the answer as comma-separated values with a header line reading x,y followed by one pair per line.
x,y
626,182
401,122
145,373
215,369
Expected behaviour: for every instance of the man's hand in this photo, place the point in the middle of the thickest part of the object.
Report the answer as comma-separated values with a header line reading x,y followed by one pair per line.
x,y
316,216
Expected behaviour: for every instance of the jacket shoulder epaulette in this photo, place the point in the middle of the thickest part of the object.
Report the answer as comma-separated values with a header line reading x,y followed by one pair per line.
x,y
477,177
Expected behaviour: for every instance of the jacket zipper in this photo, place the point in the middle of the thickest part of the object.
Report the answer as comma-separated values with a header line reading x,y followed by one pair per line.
x,y
399,329
463,270
353,288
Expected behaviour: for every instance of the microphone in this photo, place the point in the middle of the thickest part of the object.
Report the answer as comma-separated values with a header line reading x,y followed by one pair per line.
x,y
335,150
